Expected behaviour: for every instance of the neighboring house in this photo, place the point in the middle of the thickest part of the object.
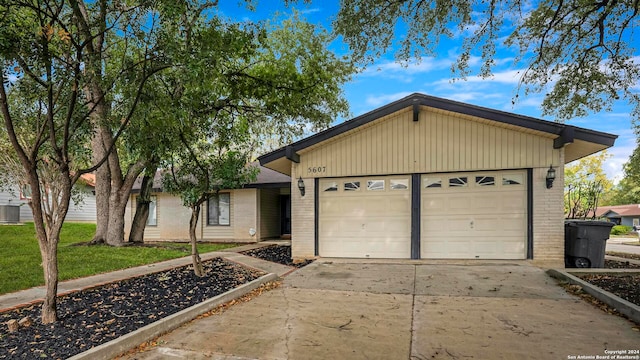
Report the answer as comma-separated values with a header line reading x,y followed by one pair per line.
x,y
429,178
628,215
81,211
260,210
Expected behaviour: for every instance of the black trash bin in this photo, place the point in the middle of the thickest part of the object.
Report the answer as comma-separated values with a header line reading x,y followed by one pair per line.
x,y
585,242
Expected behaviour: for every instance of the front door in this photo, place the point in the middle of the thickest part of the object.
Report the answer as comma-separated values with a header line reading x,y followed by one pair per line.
x,y
285,214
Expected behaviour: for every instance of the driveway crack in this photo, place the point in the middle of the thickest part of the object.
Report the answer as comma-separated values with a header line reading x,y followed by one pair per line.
x,y
287,323
413,312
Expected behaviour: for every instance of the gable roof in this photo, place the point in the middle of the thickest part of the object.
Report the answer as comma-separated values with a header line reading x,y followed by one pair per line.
x,y
266,178
620,210
579,142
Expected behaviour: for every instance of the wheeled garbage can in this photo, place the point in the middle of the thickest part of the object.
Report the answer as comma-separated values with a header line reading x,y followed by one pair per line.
x,y
585,242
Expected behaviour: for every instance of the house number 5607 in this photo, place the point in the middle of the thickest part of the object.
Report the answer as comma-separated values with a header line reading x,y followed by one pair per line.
x,y
316,169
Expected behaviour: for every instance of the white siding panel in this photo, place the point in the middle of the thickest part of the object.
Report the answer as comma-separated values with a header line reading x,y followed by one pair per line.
x,y
438,142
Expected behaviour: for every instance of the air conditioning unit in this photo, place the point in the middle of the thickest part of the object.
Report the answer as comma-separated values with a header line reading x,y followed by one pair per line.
x,y
9,214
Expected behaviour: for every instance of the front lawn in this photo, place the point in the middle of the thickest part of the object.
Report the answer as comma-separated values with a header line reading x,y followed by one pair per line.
x,y
20,256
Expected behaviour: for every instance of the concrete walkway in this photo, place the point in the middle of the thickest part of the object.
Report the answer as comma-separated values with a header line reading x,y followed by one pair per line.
x,y
337,309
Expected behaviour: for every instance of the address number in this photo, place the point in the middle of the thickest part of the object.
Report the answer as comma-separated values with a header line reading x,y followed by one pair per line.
x,y
316,169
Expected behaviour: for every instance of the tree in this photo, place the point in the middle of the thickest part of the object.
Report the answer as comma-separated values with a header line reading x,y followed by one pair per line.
x,y
627,191
577,52
584,184
40,105
54,99
240,84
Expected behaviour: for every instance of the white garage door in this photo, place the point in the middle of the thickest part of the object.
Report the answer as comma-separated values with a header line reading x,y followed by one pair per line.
x,y
474,215
365,217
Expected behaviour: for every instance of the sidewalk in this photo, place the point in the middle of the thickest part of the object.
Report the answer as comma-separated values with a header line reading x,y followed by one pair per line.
x,y
36,294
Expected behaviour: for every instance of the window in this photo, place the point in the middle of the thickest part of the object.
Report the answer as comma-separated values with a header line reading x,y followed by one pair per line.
x,y
399,184
512,179
432,183
25,192
375,185
152,218
352,186
636,222
458,182
218,209
485,180
332,186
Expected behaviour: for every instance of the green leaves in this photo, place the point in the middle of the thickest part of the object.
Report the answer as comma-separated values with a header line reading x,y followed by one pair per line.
x,y
579,53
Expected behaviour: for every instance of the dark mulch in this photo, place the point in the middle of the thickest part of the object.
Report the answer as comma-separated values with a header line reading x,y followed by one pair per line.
x,y
280,254
614,264
626,286
93,317
624,255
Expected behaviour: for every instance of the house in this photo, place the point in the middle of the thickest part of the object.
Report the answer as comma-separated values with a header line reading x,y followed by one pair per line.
x,y
628,215
81,209
260,210
429,178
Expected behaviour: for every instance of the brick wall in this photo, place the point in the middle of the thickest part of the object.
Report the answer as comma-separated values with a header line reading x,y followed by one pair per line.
x,y
548,217
302,218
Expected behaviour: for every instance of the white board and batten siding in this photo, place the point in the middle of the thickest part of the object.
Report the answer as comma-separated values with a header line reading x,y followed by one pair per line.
x,y
439,142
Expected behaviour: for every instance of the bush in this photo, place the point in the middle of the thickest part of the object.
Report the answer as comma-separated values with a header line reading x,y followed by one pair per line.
x,y
621,230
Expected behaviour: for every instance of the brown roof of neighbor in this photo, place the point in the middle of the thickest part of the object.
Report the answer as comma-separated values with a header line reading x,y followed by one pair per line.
x,y
266,178
622,210
89,179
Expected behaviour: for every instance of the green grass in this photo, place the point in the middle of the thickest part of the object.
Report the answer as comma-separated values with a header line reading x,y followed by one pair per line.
x,y
20,256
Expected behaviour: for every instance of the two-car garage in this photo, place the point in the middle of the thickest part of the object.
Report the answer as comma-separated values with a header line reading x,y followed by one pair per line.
x,y
462,216
430,178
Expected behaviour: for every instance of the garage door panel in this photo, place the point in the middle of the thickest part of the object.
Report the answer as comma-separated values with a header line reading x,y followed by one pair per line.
x,y
365,223
484,219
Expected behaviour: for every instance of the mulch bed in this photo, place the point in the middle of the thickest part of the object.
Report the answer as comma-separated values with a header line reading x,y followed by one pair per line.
x,y
280,254
96,316
626,286
614,264
624,255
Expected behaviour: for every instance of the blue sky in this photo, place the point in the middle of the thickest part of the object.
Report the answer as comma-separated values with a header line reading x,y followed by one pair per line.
x,y
386,81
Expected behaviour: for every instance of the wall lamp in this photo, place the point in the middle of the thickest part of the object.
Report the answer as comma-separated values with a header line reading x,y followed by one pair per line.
x,y
551,175
301,186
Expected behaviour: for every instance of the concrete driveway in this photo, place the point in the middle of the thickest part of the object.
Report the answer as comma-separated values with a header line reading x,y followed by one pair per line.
x,y
404,310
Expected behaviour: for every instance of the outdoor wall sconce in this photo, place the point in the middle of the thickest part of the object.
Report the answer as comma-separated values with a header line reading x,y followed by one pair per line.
x,y
551,175
301,186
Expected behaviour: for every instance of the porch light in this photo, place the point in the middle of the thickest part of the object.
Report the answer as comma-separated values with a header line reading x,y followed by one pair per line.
x,y
301,186
551,175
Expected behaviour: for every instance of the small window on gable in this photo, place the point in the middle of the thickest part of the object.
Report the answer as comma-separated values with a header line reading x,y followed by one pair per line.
x,y
512,179
485,180
332,186
432,183
399,184
352,186
375,185
458,181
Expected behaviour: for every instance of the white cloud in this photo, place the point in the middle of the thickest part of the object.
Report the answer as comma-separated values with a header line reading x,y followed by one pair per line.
x,y
379,100
310,11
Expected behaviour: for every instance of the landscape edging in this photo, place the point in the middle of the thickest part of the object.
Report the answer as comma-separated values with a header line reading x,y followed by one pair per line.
x,y
623,306
126,342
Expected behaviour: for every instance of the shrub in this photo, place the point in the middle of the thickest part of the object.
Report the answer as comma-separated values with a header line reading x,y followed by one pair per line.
x,y
621,230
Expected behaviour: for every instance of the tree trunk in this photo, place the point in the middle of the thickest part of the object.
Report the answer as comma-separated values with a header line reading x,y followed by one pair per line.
x,y
142,208
117,207
50,267
103,191
195,256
